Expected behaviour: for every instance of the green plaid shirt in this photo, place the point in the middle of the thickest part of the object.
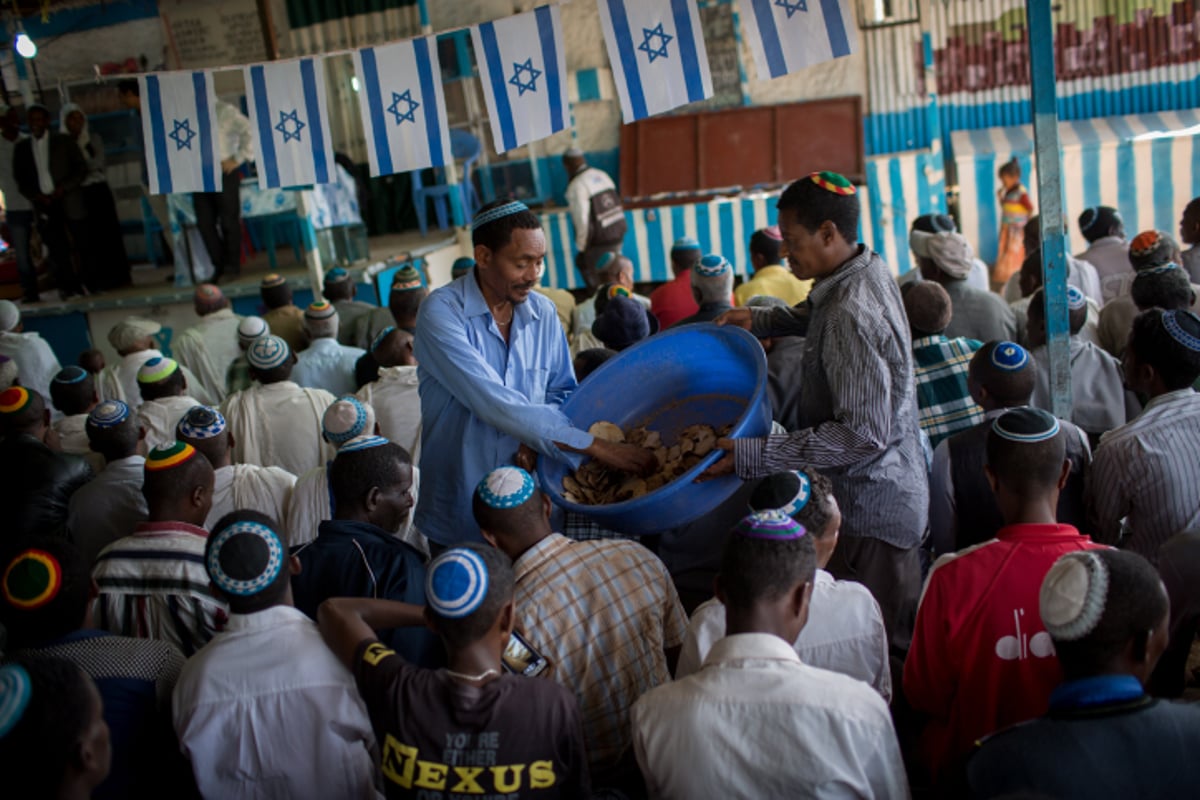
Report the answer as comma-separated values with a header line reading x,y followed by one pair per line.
x,y
940,367
237,377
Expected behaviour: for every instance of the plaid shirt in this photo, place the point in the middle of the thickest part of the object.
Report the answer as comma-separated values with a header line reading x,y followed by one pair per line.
x,y
583,528
603,613
940,368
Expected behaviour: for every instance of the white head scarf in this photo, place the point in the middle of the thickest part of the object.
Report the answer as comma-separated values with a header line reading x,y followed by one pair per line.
x,y
67,108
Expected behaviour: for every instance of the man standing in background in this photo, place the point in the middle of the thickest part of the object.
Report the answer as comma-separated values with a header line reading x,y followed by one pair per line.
x,y
18,211
235,143
596,212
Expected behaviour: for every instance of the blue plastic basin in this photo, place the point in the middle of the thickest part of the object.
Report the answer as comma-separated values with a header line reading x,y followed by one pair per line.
x,y
695,374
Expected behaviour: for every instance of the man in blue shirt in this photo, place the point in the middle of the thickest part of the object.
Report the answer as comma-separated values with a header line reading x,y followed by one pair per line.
x,y
494,369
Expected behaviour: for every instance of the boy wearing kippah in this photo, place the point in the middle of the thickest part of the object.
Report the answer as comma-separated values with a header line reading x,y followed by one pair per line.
x,y
469,728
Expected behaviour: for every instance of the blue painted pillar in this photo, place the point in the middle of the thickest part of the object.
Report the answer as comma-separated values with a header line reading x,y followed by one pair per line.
x,y
1050,202
933,119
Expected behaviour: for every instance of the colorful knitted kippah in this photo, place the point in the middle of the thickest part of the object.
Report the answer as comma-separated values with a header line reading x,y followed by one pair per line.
x,y
772,524
207,293
461,267
244,558
1170,266
1176,323
272,280
1073,595
499,212
15,691
337,275
268,352
616,290
362,443
407,280
108,414
345,419
457,583
833,182
200,422
1145,243
157,369
603,262
14,399
169,456
773,232
320,310
506,487
712,266
685,243
71,374
1026,425
803,494
1009,356
1075,299
32,579
383,334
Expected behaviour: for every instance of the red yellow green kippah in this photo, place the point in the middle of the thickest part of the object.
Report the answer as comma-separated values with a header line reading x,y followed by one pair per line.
x,y
833,182
617,291
172,455
14,399
32,579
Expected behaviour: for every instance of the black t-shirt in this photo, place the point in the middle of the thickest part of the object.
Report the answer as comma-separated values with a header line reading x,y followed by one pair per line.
x,y
513,737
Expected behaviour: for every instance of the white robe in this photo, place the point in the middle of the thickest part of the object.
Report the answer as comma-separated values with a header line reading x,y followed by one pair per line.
x,y
208,348
119,381
266,490
279,425
72,438
310,505
36,363
397,407
159,418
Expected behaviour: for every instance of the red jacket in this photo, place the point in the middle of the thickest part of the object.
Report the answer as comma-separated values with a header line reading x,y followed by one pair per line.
x,y
981,659
673,300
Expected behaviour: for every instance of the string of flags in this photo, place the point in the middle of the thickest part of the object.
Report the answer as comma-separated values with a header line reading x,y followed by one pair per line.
x,y
656,47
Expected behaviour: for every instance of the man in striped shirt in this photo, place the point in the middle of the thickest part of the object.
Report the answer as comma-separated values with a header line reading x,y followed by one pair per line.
x,y
152,583
1145,481
858,410
940,364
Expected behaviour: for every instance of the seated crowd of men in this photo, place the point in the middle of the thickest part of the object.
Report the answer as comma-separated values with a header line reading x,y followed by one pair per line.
x,y
211,584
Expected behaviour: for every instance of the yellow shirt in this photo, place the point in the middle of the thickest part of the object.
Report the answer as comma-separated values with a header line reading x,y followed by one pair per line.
x,y
564,304
774,281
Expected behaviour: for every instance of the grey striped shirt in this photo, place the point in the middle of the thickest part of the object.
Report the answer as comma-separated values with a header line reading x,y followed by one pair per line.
x,y
857,405
1148,473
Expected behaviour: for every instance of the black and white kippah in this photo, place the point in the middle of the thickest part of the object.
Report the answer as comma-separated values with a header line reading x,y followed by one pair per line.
x,y
1026,425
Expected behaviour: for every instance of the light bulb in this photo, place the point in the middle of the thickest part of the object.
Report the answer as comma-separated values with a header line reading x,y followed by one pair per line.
x,y
25,46
354,82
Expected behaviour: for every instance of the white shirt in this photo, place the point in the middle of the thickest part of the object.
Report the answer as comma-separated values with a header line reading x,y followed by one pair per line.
x,y
41,158
13,199
235,138
265,710
580,191
279,425
119,381
108,507
159,417
267,490
310,504
208,348
755,722
1110,256
844,634
397,407
36,363
72,438
327,365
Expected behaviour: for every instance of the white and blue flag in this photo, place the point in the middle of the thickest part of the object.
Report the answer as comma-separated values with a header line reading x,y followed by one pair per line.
x,y
179,122
657,52
291,126
789,35
523,71
403,106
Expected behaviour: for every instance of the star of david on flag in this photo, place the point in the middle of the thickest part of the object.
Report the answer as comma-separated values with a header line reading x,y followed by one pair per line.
x,y
788,35
657,52
179,119
290,122
523,70
403,107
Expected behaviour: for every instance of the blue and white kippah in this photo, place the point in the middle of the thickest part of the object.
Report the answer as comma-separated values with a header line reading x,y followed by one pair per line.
x,y
250,328
383,334
268,352
772,525
337,275
1009,356
456,584
604,260
1026,425
254,568
712,266
506,487
803,495
362,443
1171,320
345,419
1075,299
15,691
200,422
71,374
499,212
685,243
108,414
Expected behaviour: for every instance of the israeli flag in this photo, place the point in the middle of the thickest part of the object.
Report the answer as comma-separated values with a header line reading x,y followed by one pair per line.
x,y
789,35
179,121
523,71
291,126
403,106
657,52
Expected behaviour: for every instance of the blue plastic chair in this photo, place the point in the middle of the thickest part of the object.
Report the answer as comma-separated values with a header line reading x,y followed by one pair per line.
x,y
465,149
